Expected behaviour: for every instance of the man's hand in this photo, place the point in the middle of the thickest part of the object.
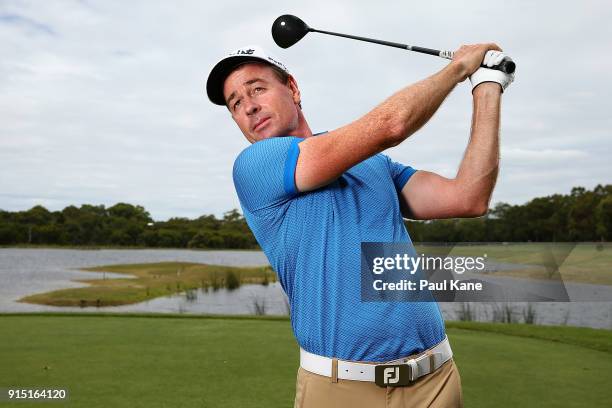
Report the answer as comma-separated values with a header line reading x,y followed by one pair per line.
x,y
469,58
492,58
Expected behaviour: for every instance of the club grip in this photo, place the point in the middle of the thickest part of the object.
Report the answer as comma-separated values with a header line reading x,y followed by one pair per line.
x,y
507,65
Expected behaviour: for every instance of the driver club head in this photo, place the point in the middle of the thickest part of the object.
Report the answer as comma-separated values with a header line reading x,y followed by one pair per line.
x,y
288,29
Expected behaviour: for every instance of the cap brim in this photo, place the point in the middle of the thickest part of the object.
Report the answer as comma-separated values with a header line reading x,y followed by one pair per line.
x,y
216,78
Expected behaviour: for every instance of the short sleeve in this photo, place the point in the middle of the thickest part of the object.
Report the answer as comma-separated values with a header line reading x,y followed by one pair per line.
x,y
264,173
400,173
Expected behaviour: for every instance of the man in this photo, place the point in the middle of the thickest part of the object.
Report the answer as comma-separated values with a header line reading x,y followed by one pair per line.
x,y
311,200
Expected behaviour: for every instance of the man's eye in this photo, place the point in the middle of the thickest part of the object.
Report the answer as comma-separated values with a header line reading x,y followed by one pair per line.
x,y
258,89
236,104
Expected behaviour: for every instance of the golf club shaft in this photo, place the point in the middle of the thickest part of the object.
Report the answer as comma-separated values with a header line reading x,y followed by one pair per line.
x,y
507,66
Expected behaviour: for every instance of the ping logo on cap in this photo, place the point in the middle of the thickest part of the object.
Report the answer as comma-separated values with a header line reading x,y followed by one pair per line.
x,y
278,63
249,51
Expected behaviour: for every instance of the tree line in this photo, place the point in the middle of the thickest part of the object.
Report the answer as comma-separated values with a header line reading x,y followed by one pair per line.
x,y
582,215
122,224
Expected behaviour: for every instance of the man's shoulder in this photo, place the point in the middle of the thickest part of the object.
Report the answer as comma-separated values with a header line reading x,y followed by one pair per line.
x,y
374,169
268,164
376,160
267,146
387,162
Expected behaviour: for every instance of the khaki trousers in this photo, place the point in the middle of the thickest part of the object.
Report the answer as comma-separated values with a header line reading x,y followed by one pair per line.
x,y
440,389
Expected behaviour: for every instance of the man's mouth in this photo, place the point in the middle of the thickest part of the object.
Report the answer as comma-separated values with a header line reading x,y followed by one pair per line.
x,y
260,124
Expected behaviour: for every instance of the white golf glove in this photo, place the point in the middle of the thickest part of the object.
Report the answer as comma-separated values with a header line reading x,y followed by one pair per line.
x,y
482,74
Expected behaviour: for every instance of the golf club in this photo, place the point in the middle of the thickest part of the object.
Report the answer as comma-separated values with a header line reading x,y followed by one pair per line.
x,y
288,30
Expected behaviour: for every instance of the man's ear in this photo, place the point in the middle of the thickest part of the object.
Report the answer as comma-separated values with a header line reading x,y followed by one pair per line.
x,y
295,91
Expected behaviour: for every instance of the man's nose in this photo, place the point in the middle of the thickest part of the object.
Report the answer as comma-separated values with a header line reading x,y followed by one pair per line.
x,y
252,107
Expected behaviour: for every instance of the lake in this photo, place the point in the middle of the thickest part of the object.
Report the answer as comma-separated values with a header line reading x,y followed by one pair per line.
x,y
28,271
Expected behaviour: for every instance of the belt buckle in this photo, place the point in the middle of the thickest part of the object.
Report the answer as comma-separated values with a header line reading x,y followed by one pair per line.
x,y
394,375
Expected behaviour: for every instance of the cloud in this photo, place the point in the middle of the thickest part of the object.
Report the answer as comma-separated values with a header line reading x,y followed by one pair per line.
x,y
544,157
103,101
28,24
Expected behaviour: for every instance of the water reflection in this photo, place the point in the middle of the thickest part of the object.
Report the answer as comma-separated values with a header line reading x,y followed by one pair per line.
x,y
27,271
246,299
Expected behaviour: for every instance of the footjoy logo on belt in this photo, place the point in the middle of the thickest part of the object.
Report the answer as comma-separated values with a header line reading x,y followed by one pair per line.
x,y
392,375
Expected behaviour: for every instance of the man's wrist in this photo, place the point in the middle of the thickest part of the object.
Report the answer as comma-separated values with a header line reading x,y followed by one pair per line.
x,y
487,89
456,71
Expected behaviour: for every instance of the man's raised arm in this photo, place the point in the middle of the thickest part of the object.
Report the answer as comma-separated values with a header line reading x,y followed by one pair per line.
x,y
429,196
323,159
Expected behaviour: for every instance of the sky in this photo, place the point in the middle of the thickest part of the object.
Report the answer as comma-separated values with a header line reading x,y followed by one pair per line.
x,y
103,101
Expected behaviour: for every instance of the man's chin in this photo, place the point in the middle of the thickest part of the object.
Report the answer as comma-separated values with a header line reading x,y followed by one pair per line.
x,y
266,134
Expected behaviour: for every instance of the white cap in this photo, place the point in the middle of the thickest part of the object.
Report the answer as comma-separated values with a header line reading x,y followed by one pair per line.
x,y
217,75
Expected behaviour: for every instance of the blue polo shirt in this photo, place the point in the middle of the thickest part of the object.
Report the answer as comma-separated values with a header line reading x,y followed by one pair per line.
x,y
313,242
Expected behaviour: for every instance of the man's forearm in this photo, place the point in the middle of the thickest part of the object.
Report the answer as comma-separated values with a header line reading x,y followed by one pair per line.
x,y
478,169
410,108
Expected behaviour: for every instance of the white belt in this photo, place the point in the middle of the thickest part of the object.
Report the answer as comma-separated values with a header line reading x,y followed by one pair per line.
x,y
429,361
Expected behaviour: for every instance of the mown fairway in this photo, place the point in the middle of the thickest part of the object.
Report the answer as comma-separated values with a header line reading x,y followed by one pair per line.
x,y
172,361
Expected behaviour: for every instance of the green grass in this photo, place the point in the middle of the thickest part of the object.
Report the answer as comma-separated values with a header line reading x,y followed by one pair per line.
x,y
595,339
148,281
581,262
506,371
189,361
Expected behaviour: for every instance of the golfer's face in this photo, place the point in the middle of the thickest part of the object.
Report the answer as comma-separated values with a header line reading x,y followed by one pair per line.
x,y
260,104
